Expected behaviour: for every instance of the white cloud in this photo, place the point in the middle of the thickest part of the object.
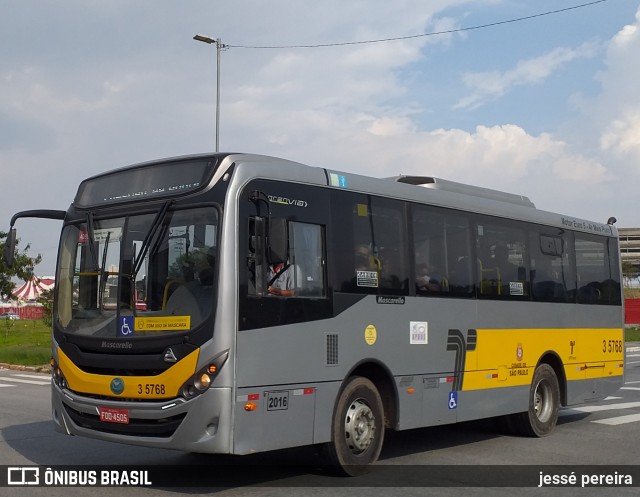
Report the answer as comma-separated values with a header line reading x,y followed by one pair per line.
x,y
619,104
489,85
622,136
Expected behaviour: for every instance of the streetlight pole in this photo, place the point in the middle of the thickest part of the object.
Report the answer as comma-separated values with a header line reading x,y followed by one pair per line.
x,y
219,46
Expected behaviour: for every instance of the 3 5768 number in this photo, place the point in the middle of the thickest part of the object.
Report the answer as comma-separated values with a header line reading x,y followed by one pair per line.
x,y
151,389
612,346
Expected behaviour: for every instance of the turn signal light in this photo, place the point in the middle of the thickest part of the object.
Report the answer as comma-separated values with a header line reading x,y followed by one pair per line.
x,y
250,406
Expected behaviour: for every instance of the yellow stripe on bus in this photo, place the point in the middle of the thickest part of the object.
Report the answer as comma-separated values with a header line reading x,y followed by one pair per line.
x,y
506,358
162,386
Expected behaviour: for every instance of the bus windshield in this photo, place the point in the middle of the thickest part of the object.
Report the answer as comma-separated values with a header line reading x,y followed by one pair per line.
x,y
139,275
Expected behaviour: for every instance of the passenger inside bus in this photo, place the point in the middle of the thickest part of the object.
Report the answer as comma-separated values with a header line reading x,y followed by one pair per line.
x,y
364,260
507,271
427,278
193,297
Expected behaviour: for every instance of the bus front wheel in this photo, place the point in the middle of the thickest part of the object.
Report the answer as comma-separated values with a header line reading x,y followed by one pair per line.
x,y
357,429
544,402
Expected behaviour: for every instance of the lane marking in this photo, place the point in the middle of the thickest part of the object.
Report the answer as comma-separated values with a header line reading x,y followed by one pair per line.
x,y
2,385
30,382
620,420
36,377
609,407
629,388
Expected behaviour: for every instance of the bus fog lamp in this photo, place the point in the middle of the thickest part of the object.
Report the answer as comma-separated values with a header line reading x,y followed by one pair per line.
x,y
203,381
57,376
188,391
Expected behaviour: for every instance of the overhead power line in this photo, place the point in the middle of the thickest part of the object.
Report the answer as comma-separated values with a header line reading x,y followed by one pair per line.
x,y
435,33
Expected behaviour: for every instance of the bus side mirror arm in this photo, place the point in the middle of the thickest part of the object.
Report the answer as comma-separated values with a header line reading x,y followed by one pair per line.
x,y
10,243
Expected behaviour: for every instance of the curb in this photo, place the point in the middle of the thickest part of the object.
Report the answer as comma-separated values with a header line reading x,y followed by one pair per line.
x,y
45,368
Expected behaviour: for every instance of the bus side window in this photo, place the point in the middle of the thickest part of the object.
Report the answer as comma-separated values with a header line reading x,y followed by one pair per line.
x,y
307,259
370,247
442,252
597,284
550,267
503,260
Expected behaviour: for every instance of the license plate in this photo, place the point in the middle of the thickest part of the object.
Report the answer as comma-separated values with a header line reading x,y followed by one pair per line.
x,y
113,415
278,401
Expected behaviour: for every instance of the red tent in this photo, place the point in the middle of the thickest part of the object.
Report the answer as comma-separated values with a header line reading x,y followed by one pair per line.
x,y
32,289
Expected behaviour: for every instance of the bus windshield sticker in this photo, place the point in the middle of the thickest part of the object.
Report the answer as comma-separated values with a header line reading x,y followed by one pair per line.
x,y
126,326
516,288
163,323
418,333
367,278
107,234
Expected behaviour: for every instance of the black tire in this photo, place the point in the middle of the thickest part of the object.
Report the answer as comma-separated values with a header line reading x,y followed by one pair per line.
x,y
544,402
357,429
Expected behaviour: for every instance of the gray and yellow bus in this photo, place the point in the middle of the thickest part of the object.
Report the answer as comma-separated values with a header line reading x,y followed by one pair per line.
x,y
411,302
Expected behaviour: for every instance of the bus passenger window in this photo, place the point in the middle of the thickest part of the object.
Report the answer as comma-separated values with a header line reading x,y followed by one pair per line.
x,y
306,242
597,284
503,260
370,252
552,275
441,252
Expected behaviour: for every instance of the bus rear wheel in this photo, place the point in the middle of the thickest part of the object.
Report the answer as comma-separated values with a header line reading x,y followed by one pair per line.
x,y
544,402
357,429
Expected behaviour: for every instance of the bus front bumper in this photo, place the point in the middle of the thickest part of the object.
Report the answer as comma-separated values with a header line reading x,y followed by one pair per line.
x,y
202,424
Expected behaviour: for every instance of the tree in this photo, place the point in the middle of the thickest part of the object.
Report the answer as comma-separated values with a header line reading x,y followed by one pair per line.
x,y
46,300
630,270
22,267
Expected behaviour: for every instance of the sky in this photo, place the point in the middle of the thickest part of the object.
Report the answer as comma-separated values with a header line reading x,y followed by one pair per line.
x,y
547,107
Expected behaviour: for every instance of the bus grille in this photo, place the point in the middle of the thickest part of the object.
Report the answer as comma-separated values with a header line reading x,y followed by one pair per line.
x,y
332,349
160,428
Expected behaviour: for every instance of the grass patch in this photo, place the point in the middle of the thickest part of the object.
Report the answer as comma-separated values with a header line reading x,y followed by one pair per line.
x,y
25,342
632,334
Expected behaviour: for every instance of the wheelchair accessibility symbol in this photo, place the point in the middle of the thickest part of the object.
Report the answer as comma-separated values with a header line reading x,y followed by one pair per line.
x,y
453,400
126,326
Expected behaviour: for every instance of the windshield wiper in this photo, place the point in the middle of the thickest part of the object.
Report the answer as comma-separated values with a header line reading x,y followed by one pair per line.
x,y
92,247
155,225
103,280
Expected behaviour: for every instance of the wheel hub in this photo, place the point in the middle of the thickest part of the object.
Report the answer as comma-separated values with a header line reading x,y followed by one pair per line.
x,y
359,426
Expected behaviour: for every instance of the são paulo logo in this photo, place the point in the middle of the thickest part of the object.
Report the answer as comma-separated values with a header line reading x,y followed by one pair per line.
x,y
117,386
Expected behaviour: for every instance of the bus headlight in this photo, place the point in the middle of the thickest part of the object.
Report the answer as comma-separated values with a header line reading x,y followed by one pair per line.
x,y
203,382
205,377
57,376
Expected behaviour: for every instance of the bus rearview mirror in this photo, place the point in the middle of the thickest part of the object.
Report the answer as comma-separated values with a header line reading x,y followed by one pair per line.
x,y
10,247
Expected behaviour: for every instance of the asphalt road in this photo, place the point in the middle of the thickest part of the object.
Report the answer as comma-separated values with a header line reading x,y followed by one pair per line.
x,y
598,438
